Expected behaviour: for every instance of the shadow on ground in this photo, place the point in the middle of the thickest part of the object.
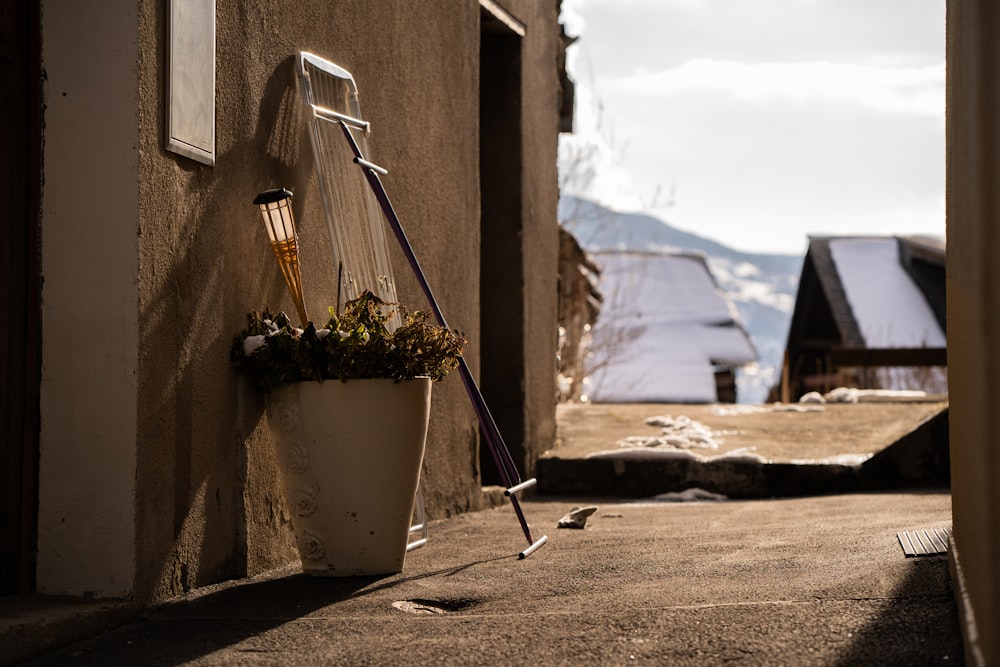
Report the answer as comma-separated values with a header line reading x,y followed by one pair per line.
x,y
228,614
919,621
209,623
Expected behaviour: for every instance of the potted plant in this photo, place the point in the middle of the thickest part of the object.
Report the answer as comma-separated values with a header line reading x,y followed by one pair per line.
x,y
348,406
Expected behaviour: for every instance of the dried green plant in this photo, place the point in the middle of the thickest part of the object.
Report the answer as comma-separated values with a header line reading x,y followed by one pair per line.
x,y
356,344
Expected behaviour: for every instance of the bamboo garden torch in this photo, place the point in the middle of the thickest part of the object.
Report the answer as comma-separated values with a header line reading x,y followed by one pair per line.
x,y
276,209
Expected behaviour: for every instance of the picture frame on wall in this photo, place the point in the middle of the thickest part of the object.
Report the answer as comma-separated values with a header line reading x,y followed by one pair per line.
x,y
190,113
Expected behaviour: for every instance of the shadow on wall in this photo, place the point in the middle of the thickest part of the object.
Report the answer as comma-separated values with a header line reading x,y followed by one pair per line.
x,y
208,502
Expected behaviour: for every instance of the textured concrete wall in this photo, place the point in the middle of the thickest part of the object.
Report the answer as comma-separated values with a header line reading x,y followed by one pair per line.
x,y
157,474
208,500
973,278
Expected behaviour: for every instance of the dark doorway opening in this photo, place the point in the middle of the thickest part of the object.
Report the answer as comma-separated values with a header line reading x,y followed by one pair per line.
x,y
20,182
501,292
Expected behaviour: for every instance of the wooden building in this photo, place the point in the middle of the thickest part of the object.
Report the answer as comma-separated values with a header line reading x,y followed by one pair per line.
x,y
865,303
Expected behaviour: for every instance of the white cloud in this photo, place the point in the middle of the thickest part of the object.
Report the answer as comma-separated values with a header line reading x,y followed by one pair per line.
x,y
910,90
765,120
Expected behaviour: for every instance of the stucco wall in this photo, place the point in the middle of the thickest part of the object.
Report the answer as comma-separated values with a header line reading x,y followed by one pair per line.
x,y
156,471
207,496
973,281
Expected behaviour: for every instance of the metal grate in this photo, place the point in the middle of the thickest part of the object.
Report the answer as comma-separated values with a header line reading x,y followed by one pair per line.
x,y
930,542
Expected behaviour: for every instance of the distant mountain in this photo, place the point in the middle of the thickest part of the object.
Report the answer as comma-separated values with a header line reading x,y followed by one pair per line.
x,y
762,286
600,228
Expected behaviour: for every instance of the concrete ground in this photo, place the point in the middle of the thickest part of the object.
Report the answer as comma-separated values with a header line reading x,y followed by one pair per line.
x,y
779,433
805,581
809,580
758,451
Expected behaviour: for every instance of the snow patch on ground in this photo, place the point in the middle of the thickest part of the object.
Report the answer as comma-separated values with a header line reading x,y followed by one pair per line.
x,y
838,460
646,453
690,496
744,454
737,410
852,395
681,432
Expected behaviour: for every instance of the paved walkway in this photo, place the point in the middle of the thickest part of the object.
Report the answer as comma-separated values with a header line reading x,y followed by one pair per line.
x,y
812,580
805,581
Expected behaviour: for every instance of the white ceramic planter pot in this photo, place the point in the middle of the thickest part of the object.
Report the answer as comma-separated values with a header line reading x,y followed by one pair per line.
x,y
350,455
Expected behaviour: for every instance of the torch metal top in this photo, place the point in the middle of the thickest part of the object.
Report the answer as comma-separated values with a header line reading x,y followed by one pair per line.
x,y
271,196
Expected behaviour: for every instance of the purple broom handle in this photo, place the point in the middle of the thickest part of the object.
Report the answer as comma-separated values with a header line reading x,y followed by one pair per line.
x,y
498,449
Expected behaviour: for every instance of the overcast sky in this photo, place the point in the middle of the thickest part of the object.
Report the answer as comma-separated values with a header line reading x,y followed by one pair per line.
x,y
758,123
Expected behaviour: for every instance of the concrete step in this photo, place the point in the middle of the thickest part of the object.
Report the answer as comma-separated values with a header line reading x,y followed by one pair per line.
x,y
749,451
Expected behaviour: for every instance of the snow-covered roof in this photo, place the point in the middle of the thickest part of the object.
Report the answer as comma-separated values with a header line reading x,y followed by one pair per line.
x,y
664,327
876,294
889,308
859,293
